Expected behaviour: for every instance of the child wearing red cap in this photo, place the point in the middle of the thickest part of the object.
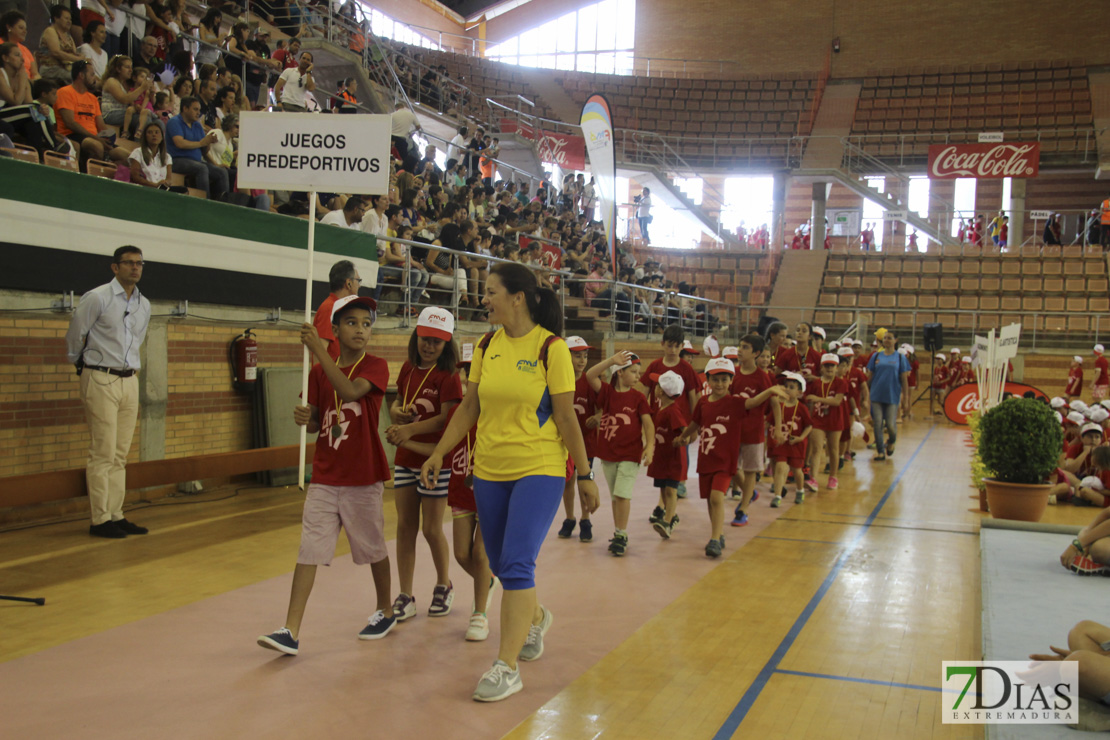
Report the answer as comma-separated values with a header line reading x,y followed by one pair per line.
x,y
826,399
626,436
585,409
669,465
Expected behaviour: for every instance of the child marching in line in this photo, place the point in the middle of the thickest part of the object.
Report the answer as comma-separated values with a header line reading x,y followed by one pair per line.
x,y
427,389
857,387
1101,382
349,467
789,440
585,408
940,378
715,424
626,436
1074,387
827,397
675,349
756,389
669,465
908,351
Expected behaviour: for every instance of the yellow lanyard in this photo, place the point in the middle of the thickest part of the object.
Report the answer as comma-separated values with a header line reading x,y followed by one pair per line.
x,y
336,430
406,401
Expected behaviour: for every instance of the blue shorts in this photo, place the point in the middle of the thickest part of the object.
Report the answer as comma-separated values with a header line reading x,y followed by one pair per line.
x,y
404,477
516,516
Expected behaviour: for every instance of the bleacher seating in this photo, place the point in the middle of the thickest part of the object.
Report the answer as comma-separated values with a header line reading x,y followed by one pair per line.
x,y
914,108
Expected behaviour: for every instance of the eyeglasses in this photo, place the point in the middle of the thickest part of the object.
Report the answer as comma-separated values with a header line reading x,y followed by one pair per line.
x,y
131,263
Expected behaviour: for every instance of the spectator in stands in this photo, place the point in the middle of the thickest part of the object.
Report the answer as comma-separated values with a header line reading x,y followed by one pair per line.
x,y
222,151
457,148
17,107
150,164
147,56
444,269
473,151
79,117
344,100
431,91
208,31
287,57
294,84
405,124
224,104
643,213
57,50
350,217
258,73
1051,234
401,263
186,141
118,97
238,53
208,116
13,28
95,35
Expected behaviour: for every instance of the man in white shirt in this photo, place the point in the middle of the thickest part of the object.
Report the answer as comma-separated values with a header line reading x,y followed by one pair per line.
x,y
643,213
294,83
351,215
404,124
458,145
103,340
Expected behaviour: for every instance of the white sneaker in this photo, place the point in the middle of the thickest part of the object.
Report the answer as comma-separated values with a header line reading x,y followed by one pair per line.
x,y
478,629
499,682
533,646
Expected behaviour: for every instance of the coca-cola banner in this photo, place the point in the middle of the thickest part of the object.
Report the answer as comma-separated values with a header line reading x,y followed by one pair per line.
x,y
569,152
963,399
983,161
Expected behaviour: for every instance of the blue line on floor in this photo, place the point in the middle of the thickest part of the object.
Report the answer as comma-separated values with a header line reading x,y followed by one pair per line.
x,y
892,684
795,539
728,729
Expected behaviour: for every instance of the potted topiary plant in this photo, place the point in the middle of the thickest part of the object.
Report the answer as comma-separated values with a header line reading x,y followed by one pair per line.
x,y
979,471
1020,441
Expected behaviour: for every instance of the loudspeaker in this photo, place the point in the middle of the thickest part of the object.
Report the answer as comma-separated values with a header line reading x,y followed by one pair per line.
x,y
934,337
764,322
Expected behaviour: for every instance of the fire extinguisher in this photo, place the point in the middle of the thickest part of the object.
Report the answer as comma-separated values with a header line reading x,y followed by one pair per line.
x,y
243,355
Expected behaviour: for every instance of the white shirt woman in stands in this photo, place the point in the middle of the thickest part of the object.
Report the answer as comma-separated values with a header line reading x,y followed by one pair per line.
x,y
96,34
150,164
222,152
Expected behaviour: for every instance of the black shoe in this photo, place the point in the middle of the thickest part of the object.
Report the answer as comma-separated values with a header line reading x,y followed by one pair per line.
x,y
657,515
108,530
567,529
130,527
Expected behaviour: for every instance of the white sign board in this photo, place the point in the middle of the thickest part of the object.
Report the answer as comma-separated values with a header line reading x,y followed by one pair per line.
x,y
979,350
1040,215
895,215
314,152
844,221
1008,341
990,137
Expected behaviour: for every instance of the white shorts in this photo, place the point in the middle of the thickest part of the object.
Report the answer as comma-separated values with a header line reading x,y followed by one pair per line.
x,y
404,477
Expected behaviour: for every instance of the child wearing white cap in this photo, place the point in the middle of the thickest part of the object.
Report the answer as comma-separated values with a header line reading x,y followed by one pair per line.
x,y
669,465
826,398
427,389
626,437
1074,387
585,409
1101,383
789,440
675,347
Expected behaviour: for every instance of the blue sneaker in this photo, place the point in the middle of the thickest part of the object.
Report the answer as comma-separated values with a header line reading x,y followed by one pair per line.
x,y
378,626
741,520
282,641
755,496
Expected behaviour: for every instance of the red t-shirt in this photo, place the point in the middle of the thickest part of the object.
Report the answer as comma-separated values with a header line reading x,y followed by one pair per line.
x,y
828,418
750,385
912,380
322,322
940,376
789,358
1101,366
424,392
669,462
856,379
795,420
684,370
288,61
1075,382
1075,449
620,437
585,406
356,457
719,438
461,460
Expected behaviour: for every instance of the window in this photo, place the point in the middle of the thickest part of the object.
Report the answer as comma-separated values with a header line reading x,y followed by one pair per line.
x,y
873,212
919,204
964,202
597,38
385,26
748,201
692,187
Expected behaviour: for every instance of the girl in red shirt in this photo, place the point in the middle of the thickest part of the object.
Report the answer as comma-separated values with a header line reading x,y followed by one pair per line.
x,y
626,436
789,441
669,465
427,389
585,408
1074,387
826,398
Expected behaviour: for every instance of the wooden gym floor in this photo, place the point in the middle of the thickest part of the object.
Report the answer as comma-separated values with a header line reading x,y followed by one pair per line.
x,y
824,620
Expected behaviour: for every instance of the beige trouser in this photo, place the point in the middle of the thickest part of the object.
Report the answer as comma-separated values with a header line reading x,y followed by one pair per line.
x,y
111,409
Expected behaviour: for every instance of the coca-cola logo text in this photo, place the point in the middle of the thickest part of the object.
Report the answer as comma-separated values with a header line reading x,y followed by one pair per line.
x,y
569,152
984,160
962,400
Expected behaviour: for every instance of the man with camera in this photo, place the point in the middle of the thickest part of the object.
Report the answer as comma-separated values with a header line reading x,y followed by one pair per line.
x,y
103,340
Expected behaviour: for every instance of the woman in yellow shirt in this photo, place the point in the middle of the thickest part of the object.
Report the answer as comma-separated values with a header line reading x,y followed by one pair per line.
x,y
522,398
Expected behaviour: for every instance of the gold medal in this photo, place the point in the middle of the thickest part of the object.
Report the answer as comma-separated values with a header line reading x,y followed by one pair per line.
x,y
468,481
336,431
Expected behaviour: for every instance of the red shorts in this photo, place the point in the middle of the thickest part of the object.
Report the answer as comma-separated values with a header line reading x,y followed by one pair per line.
x,y
713,482
793,462
459,495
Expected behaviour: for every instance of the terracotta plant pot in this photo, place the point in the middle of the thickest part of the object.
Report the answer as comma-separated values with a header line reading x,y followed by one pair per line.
x,y
1022,501
983,506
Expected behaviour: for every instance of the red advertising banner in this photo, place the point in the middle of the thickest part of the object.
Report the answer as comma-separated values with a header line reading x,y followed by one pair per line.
x,y
551,256
569,152
963,399
983,161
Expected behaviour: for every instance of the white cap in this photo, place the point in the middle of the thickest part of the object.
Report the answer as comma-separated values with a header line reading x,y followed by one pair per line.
x,y
1093,482
467,352
967,358
1077,405
909,348
833,346
719,365
954,351
796,377
1076,418
1099,349
1057,403
941,356
1092,427
903,351
730,352
819,331
435,322
857,343
829,359
362,300
1078,359
710,346
688,347
1105,404
577,344
1099,414
845,351
671,383
1059,419
634,359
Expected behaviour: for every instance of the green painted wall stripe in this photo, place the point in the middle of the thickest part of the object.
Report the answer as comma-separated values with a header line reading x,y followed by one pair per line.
x,y
49,186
